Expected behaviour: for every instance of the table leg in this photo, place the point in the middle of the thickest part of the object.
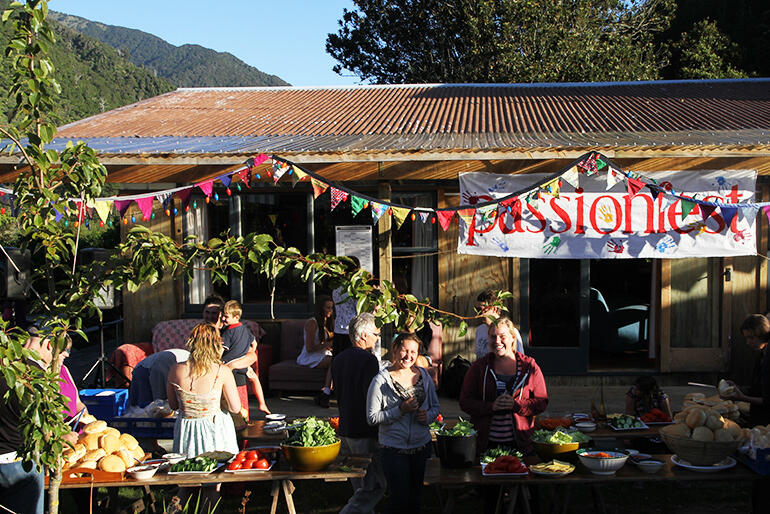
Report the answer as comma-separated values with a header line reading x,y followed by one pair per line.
x,y
598,499
288,490
449,505
274,493
525,496
514,493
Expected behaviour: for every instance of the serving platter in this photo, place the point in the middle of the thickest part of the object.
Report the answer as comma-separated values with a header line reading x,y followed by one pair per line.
x,y
250,470
192,473
629,429
728,463
551,474
484,473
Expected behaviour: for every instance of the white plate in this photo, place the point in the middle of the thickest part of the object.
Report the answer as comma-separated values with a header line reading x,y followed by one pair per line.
x,y
551,473
272,463
725,464
275,417
183,473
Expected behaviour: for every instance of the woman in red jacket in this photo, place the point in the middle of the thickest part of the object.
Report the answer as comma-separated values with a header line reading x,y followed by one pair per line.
x,y
503,392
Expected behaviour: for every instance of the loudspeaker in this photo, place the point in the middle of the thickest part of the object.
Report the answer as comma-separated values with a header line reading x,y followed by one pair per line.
x,y
15,284
107,297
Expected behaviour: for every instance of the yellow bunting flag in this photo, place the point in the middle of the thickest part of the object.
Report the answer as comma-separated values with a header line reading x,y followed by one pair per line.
x,y
273,218
102,209
400,214
318,187
467,215
552,187
297,175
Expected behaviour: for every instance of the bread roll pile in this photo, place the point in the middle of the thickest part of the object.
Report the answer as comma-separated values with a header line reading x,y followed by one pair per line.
x,y
759,437
105,448
725,408
706,424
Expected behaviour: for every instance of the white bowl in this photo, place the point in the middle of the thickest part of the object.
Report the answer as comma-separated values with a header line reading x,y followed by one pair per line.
x,y
586,426
142,472
650,466
173,458
631,452
275,417
602,465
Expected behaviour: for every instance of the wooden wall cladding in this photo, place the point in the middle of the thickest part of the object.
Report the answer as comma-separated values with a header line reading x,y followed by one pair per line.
x,y
152,303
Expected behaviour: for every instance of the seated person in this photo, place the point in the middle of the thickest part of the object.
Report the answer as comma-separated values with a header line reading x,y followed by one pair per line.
x,y
151,375
240,353
319,334
644,396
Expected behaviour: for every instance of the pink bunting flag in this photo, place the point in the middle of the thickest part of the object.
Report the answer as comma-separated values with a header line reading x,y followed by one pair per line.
x,y
122,206
184,195
259,159
337,197
145,205
766,208
445,218
207,187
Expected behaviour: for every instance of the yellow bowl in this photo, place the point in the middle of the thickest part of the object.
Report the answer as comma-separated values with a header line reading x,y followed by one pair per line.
x,y
550,451
311,458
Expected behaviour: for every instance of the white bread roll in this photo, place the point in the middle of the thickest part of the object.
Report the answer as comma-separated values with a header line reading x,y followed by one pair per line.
x,y
95,427
112,463
696,418
702,434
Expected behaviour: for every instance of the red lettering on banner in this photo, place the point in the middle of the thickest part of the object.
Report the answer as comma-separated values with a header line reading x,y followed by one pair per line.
x,y
649,216
618,215
516,215
562,214
580,227
734,195
539,217
472,230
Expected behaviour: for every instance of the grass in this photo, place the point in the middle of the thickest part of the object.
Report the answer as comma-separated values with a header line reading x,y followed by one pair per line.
x,y
316,497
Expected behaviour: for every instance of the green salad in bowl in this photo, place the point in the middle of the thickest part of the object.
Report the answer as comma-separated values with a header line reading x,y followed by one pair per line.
x,y
559,436
462,428
493,453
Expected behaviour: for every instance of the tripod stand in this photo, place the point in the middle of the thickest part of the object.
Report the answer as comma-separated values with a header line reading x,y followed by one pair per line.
x,y
102,359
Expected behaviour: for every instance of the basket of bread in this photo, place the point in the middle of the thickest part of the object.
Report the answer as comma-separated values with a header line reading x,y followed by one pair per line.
x,y
702,436
101,448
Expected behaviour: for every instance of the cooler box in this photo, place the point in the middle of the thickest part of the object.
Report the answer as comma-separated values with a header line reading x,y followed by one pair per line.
x,y
105,403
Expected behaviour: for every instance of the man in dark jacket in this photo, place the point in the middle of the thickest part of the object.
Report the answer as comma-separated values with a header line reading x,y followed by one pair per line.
x,y
352,372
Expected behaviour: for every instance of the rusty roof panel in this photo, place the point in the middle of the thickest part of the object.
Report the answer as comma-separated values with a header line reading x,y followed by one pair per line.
x,y
440,114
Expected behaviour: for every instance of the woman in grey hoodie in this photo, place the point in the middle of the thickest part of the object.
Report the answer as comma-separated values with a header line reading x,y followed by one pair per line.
x,y
402,402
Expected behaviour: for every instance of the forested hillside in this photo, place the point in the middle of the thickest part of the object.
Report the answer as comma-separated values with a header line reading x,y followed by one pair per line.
x,y
185,66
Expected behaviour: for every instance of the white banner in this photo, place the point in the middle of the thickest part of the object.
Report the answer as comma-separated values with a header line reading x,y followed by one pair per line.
x,y
591,222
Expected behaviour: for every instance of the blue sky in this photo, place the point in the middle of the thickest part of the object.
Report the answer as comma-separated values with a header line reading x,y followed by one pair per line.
x,y
284,37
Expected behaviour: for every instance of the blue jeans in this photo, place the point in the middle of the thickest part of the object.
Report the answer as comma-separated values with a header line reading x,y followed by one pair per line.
x,y
405,474
21,491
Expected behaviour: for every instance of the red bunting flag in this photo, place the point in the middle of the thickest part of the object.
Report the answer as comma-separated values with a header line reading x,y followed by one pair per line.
x,y
445,218
634,186
207,187
244,174
337,197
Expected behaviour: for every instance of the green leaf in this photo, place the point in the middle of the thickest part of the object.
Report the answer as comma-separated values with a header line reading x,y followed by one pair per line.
x,y
463,329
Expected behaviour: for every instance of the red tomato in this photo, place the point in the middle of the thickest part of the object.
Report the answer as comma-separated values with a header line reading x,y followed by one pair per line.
x,y
235,465
261,464
240,457
248,463
252,455
439,418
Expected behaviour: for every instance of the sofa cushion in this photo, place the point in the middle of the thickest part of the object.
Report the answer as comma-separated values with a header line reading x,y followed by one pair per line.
x,y
174,333
292,338
288,374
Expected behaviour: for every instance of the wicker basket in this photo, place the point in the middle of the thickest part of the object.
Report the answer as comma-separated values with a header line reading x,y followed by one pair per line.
x,y
700,453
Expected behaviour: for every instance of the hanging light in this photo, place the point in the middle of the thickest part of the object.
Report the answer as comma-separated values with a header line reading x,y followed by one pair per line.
x,y
208,199
168,212
176,211
87,224
216,197
238,186
414,216
229,192
133,219
195,204
101,223
153,215
125,221
66,223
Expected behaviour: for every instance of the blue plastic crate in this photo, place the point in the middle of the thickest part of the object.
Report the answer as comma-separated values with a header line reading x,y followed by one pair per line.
x,y
761,464
156,428
105,403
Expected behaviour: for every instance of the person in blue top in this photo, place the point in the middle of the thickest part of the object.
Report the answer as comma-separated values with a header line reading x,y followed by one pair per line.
x,y
402,402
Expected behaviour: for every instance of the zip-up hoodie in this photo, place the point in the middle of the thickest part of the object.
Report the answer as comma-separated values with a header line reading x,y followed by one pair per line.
x,y
396,428
479,392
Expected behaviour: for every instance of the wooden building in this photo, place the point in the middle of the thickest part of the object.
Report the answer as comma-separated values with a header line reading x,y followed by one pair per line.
x,y
409,143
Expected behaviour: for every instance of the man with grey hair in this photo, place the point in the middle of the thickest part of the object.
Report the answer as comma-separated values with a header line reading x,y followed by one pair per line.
x,y
352,372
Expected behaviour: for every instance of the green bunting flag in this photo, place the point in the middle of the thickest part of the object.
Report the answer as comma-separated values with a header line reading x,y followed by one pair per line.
x,y
357,204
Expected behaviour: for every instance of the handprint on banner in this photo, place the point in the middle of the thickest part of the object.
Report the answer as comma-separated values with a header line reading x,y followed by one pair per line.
x,y
500,185
473,199
616,245
552,245
721,185
740,236
500,244
666,244
605,214
698,227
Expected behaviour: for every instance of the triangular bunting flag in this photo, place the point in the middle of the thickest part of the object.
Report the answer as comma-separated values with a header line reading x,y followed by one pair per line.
x,y
765,208
123,205
445,218
613,177
337,197
279,169
184,195
600,164
244,174
467,215
58,216
424,216
225,179
297,175
634,186
273,218
145,205
552,187
654,190
378,209
400,214
687,207
103,209
728,213
706,210
357,204
207,187
259,159
589,164
749,212
318,187
572,177
487,215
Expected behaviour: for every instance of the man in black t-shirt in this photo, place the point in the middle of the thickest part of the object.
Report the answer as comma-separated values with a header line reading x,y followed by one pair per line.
x,y
352,372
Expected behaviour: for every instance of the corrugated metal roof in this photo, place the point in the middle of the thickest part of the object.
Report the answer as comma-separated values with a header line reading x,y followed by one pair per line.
x,y
476,117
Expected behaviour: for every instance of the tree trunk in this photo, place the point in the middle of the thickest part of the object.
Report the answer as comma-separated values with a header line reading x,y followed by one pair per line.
x,y
53,490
